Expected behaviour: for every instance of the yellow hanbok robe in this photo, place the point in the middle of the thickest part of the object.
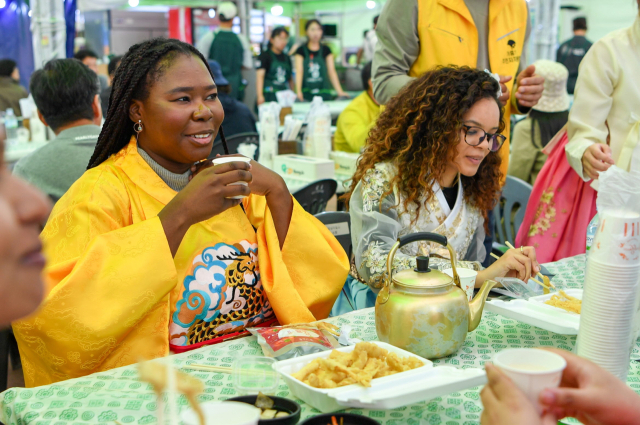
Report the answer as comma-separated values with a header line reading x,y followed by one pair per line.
x,y
116,294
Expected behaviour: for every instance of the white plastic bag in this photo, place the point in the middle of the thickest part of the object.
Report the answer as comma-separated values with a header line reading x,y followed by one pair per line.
x,y
317,137
286,98
269,120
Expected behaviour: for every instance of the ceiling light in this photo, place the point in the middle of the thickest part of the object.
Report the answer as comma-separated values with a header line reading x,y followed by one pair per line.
x,y
277,10
371,4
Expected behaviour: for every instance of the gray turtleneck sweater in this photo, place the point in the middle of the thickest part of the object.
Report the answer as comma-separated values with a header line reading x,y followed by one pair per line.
x,y
175,181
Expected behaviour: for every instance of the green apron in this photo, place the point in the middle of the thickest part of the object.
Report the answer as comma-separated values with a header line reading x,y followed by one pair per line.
x,y
227,50
277,77
315,79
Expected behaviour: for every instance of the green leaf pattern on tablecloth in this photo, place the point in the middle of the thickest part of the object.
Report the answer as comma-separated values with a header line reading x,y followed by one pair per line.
x,y
117,395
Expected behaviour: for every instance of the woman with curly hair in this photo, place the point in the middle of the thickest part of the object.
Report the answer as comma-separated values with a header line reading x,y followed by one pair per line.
x,y
431,165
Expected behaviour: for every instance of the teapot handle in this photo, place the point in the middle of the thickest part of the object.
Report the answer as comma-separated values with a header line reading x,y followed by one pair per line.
x,y
421,236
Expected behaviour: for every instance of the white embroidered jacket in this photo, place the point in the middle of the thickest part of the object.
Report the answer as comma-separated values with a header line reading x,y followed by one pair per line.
x,y
377,223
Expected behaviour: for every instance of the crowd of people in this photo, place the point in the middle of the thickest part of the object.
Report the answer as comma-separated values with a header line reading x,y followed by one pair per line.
x,y
149,248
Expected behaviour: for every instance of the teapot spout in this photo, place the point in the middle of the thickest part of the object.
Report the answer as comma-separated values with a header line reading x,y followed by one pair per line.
x,y
477,305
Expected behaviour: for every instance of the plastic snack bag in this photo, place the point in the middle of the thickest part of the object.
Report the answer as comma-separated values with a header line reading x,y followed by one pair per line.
x,y
269,122
286,342
317,137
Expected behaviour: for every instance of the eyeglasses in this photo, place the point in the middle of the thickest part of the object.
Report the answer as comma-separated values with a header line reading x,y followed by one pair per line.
x,y
474,136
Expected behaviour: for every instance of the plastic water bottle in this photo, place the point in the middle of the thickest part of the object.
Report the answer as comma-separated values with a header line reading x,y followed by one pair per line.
x,y
591,231
11,127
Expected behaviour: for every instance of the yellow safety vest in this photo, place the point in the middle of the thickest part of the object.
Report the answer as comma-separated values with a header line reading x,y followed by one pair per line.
x,y
448,35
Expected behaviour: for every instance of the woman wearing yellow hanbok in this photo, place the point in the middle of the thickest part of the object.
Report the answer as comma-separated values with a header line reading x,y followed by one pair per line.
x,y
147,253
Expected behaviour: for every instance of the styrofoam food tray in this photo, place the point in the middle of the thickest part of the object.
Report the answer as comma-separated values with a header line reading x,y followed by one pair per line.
x,y
388,392
536,313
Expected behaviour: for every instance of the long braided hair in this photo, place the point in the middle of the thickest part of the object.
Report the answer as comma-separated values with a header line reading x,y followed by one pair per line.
x,y
143,64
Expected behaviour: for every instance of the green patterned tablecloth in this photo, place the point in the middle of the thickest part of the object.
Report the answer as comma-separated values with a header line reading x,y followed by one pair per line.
x,y
117,395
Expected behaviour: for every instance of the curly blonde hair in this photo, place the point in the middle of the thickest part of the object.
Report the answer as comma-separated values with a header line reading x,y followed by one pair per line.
x,y
419,131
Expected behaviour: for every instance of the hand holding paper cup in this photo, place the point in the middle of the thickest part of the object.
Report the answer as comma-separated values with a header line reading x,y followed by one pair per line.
x,y
226,159
532,370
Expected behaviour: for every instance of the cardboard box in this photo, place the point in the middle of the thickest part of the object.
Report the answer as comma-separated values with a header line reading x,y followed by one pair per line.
x,y
284,112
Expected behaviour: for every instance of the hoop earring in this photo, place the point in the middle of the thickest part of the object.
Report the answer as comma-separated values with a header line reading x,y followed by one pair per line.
x,y
137,127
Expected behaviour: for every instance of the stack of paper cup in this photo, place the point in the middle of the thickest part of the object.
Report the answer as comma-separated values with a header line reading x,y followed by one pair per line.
x,y
609,303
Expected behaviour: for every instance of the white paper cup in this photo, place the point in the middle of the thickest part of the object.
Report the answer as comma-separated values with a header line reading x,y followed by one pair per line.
x,y
226,412
467,279
531,369
617,239
227,159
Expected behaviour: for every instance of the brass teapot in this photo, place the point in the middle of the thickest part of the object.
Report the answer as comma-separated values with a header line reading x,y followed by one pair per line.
x,y
425,311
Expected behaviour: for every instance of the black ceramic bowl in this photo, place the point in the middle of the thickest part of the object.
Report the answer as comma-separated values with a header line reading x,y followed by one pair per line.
x,y
348,419
280,403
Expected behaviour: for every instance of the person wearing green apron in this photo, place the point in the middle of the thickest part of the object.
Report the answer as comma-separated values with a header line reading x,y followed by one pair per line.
x,y
315,69
230,50
226,49
274,72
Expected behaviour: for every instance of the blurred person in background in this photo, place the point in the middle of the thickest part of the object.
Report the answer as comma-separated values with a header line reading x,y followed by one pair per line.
x,y
275,72
365,53
230,50
90,58
23,211
604,122
315,67
547,118
66,94
571,52
358,117
104,94
237,116
10,89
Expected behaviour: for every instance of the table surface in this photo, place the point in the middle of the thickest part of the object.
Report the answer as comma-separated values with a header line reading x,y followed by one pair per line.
x,y
15,152
117,395
335,106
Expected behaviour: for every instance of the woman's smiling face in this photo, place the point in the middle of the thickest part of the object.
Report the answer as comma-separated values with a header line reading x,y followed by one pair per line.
x,y
181,114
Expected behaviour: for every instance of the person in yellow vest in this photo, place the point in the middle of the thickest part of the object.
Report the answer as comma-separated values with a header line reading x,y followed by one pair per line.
x,y
417,35
358,118
147,253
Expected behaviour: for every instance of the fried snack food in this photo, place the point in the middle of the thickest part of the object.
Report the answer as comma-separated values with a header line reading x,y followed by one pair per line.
x,y
547,285
155,373
367,361
565,302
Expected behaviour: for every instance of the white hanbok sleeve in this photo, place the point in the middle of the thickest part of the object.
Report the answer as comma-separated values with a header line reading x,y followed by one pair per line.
x,y
374,228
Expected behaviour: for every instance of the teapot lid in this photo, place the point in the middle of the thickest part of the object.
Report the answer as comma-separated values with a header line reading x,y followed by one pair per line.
x,y
422,276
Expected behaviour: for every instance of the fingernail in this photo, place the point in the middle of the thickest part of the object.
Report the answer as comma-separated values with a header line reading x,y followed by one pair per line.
x,y
547,397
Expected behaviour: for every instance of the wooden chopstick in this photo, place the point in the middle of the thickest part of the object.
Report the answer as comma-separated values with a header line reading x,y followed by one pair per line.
x,y
207,368
532,278
540,275
222,369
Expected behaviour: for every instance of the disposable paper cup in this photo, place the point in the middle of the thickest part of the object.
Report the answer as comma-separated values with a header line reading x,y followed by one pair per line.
x,y
227,159
467,279
532,370
617,239
226,412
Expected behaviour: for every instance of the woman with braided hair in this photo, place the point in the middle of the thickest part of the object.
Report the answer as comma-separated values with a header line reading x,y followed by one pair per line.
x,y
148,253
430,164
